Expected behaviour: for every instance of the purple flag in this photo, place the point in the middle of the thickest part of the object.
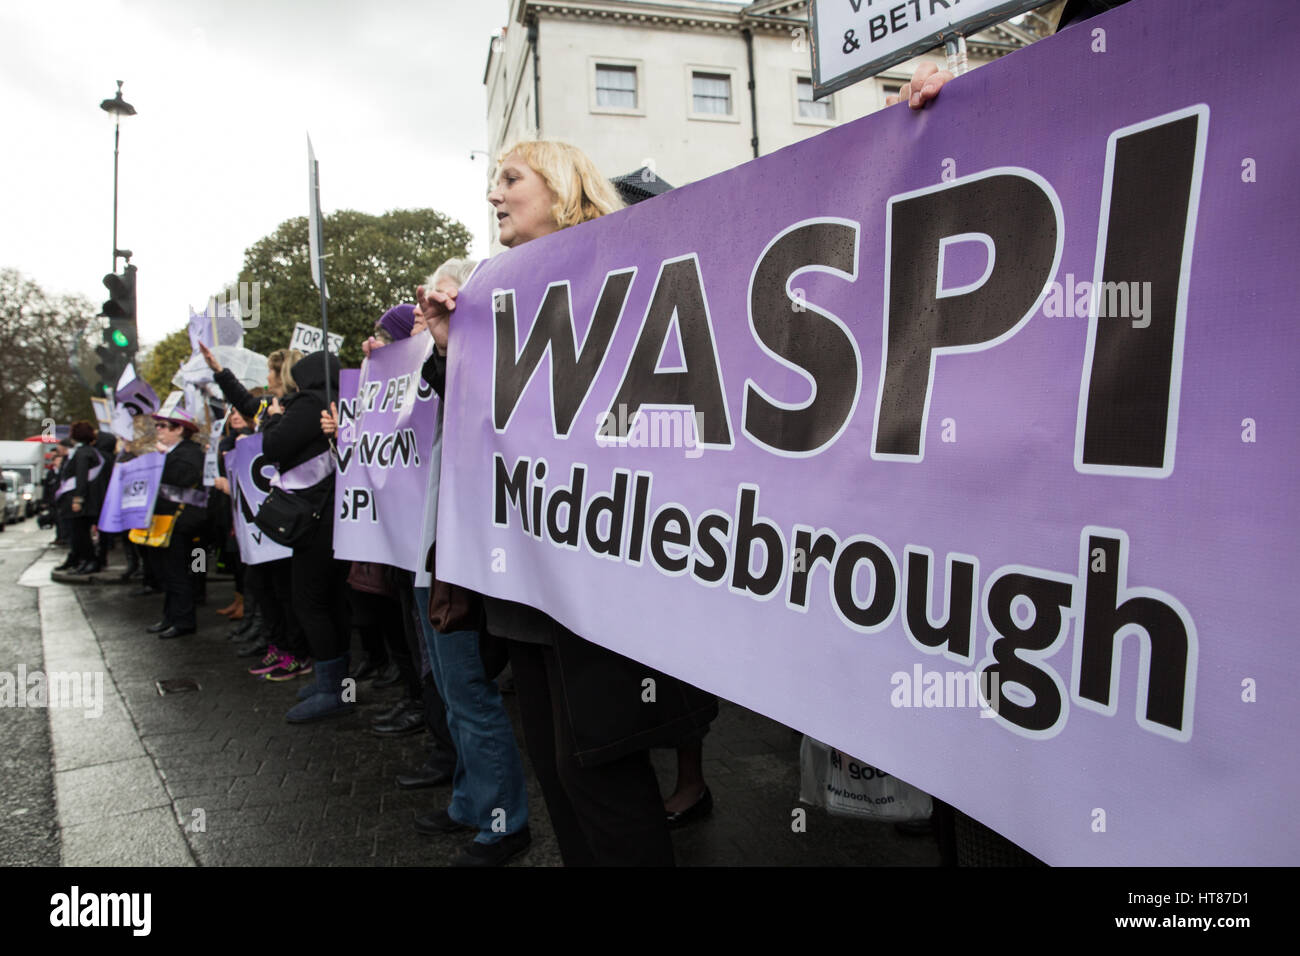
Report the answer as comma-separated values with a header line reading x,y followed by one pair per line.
x,y
215,325
976,462
134,396
250,482
386,434
131,494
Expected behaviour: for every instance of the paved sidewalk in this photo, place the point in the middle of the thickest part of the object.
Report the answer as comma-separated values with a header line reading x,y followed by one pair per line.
x,y
271,793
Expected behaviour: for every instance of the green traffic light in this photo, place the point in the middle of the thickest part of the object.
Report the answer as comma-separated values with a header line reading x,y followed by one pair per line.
x,y
120,339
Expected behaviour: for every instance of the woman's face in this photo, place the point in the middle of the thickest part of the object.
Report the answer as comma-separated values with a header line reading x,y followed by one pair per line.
x,y
523,202
273,383
169,433
237,420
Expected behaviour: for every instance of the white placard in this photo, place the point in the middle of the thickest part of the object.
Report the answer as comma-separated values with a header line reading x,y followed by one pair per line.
x,y
103,412
307,339
855,39
210,469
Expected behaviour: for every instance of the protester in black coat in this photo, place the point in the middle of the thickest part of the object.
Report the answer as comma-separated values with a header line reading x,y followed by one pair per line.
x,y
303,456
273,631
80,500
106,445
181,495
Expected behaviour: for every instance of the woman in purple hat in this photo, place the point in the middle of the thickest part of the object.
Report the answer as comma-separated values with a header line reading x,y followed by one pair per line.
x,y
181,494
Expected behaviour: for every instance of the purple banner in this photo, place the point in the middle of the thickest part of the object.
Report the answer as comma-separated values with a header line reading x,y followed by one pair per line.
x,y
386,432
131,494
250,482
975,461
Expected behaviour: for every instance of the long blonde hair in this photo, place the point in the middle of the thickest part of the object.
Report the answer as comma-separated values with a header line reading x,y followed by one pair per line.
x,y
281,362
581,192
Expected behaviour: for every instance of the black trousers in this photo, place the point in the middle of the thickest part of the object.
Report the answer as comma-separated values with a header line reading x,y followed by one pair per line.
x,y
82,547
320,592
442,749
379,618
607,815
171,570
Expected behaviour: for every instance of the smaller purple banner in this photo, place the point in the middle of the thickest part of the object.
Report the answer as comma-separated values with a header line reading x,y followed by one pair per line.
x,y
386,432
250,482
132,491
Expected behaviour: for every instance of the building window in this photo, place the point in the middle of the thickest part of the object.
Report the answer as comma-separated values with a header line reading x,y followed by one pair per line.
x,y
890,89
711,94
810,108
616,86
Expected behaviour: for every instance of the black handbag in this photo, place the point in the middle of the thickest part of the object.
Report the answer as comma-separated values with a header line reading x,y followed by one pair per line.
x,y
286,518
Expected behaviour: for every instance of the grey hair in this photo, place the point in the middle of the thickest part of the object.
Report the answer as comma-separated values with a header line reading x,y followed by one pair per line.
x,y
457,270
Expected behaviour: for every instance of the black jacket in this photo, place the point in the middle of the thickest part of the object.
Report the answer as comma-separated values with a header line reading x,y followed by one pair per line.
x,y
106,445
78,466
244,402
297,437
182,468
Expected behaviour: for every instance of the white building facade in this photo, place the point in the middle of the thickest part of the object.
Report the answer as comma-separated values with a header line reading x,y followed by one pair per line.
x,y
688,88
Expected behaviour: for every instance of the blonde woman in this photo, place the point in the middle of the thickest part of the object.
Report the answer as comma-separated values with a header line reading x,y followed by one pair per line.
x,y
274,635
602,795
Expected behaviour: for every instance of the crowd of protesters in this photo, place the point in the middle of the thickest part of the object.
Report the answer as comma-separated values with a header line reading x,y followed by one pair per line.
x,y
585,727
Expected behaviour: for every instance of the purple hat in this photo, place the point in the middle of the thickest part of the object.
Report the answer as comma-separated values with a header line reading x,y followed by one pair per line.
x,y
398,321
173,411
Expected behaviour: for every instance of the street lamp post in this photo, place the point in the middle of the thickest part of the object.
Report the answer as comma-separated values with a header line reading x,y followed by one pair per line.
x,y
119,108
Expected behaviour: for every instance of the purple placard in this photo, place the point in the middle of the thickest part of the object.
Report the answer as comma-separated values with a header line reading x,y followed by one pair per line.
x,y
250,482
132,493
1108,479
386,432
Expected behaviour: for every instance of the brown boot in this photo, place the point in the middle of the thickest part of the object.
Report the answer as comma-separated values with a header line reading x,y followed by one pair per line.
x,y
229,609
238,613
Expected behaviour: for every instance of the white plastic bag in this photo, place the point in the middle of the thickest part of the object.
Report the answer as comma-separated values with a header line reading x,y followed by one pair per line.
x,y
846,787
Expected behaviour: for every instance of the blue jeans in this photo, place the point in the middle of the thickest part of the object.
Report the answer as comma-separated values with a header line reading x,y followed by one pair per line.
x,y
488,790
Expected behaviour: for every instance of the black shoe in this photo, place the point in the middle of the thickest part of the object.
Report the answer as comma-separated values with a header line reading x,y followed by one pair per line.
x,y
67,565
245,629
394,712
439,821
176,632
424,776
126,575
368,668
86,567
494,854
251,649
157,628
696,812
390,676
409,721
145,591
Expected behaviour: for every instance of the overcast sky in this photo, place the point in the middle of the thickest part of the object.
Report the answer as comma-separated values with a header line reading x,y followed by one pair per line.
x,y
391,92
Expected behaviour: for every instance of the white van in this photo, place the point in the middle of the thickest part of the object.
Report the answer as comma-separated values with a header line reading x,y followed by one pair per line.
x,y
27,458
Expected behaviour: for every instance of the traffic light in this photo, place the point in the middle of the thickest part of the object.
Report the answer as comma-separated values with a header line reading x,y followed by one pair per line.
x,y
120,338
120,309
112,363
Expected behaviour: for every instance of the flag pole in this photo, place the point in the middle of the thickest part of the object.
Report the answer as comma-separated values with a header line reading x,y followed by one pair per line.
x,y
316,247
